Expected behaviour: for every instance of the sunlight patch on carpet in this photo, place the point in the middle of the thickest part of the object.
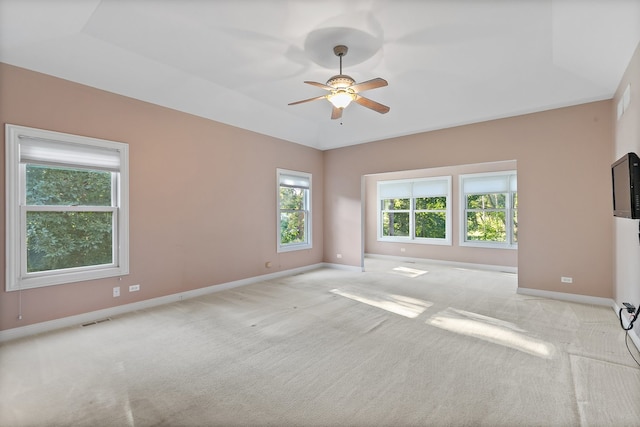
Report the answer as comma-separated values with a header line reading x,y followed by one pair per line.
x,y
490,329
397,304
408,272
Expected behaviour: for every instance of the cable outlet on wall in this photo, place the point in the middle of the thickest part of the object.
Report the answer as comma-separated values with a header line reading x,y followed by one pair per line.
x,y
565,279
116,291
134,288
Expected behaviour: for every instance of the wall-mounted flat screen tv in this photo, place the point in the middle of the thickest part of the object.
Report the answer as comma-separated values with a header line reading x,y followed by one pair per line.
x,y
625,173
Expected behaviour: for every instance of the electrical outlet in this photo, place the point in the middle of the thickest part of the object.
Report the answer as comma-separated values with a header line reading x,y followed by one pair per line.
x,y
116,291
338,256
564,279
629,307
134,288
403,250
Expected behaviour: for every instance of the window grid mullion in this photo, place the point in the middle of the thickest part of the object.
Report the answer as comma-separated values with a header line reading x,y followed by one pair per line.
x,y
412,219
23,241
57,208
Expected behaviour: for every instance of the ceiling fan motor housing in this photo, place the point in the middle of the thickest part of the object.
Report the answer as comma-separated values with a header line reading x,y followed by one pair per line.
x,y
340,81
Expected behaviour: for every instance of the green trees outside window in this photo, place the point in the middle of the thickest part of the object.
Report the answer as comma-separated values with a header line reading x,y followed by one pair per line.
x,y
292,215
395,217
431,217
415,210
488,217
491,216
65,224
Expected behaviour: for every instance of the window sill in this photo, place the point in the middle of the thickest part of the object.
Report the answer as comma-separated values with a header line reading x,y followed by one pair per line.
x,y
294,247
422,241
488,245
42,281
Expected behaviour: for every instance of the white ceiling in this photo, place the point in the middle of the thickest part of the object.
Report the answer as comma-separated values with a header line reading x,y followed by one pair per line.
x,y
241,62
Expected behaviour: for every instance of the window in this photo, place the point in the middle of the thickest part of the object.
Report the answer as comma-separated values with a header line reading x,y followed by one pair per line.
x,y
415,210
294,210
67,208
490,215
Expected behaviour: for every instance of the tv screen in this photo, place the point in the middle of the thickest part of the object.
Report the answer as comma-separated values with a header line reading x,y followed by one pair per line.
x,y
625,173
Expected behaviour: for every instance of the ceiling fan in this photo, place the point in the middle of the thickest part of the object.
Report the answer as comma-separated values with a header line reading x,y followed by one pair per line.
x,y
343,89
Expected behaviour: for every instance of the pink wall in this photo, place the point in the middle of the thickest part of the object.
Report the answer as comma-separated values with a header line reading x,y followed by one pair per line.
x,y
202,195
563,159
453,252
627,138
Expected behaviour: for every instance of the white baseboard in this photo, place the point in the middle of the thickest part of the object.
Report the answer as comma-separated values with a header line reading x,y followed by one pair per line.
x,y
344,267
468,265
582,299
80,319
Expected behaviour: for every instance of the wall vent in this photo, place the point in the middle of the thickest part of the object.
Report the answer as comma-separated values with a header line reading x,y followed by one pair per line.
x,y
95,322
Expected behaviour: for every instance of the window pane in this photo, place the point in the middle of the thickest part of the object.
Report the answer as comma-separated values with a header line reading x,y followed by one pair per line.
x,y
431,225
57,240
395,224
514,219
292,227
46,185
396,204
292,198
514,213
486,226
486,201
431,202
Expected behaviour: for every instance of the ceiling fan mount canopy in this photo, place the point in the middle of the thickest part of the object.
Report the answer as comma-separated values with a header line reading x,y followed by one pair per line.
x,y
340,50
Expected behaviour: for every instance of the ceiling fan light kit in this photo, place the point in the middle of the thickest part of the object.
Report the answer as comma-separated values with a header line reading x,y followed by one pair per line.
x,y
341,98
343,90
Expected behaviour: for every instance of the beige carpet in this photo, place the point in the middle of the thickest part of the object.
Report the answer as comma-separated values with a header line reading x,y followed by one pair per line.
x,y
402,344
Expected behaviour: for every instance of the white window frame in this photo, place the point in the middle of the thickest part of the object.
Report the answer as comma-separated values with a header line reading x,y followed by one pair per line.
x,y
410,193
281,176
512,187
17,277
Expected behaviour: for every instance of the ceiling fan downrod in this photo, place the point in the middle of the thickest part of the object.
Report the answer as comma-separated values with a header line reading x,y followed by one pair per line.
x,y
340,51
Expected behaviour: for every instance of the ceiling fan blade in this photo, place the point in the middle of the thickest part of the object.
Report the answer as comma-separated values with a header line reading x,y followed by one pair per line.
x,y
369,84
375,106
307,100
320,85
336,113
